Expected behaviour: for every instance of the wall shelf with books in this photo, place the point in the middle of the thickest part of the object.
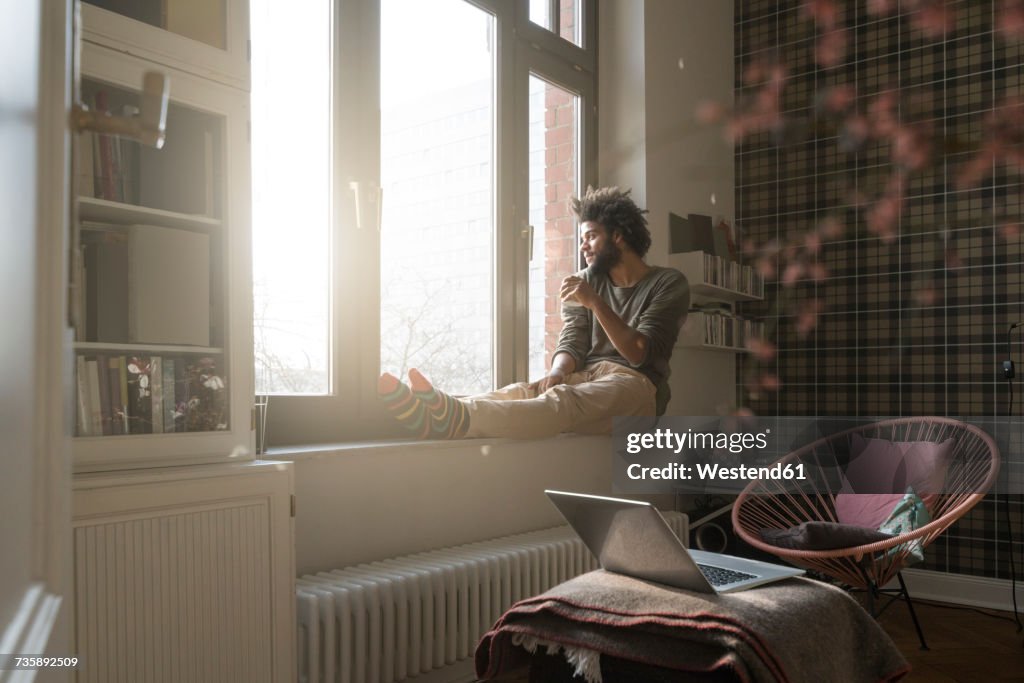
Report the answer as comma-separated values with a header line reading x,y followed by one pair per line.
x,y
717,284
715,278
718,331
161,297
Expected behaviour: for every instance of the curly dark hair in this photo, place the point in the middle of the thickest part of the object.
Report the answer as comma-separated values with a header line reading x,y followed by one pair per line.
x,y
613,208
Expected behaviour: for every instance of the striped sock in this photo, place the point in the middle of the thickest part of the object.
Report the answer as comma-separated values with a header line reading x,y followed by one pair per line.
x,y
400,403
449,417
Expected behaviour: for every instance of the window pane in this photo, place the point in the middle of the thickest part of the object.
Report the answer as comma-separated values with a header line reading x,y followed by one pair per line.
x,y
290,190
436,170
553,174
540,13
568,18
569,21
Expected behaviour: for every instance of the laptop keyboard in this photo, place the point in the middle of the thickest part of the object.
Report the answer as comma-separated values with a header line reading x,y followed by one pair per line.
x,y
717,576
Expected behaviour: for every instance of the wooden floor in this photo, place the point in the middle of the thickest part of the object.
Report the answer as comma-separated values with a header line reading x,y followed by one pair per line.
x,y
965,646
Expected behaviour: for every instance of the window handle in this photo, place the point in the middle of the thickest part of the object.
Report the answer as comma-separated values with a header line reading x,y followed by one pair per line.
x,y
375,198
527,235
149,127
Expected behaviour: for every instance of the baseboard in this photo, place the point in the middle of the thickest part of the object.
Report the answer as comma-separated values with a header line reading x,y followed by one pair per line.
x,y
961,589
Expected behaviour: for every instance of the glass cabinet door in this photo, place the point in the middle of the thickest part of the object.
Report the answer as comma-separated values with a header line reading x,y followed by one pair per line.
x,y
206,37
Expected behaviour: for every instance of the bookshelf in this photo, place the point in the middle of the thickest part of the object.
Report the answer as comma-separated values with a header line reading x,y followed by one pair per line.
x,y
716,285
161,269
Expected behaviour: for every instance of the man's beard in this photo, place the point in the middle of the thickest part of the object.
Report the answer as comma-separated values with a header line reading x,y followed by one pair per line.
x,y
607,258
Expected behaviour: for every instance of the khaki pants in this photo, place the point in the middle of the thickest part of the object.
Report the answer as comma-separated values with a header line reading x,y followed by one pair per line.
x,y
585,403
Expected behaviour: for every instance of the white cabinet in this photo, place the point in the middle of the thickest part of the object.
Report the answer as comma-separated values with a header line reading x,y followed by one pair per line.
x,y
162,271
209,38
185,574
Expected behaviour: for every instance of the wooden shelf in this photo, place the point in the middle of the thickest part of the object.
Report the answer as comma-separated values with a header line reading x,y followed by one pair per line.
x,y
104,210
703,289
148,348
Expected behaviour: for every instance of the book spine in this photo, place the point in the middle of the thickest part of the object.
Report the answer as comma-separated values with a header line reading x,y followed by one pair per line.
x,y
156,394
180,395
83,396
86,180
97,167
116,406
95,413
122,372
106,148
168,393
139,403
103,380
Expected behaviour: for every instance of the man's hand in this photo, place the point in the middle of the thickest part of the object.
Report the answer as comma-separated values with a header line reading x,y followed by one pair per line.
x,y
577,290
552,379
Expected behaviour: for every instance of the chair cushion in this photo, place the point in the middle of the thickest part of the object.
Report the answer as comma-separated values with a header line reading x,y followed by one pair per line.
x,y
927,464
922,465
876,466
909,514
822,536
865,509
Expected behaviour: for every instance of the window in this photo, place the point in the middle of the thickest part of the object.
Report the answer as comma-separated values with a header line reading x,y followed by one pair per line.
x,y
291,196
437,160
399,174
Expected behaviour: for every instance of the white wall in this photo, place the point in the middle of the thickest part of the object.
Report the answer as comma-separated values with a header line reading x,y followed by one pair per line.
x,y
648,139
364,503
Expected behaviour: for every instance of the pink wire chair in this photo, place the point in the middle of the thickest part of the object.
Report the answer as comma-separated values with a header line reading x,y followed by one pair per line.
x,y
768,504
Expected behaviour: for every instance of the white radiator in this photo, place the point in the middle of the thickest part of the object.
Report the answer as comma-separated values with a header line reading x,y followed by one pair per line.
x,y
392,620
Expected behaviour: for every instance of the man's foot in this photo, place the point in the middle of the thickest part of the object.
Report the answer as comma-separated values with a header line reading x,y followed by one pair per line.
x,y
399,401
449,417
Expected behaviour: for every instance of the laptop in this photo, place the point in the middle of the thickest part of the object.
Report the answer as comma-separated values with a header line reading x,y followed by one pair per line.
x,y
631,537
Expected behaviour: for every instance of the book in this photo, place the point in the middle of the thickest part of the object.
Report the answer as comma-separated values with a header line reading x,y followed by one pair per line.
x,y
105,145
690,234
78,294
107,283
82,386
85,174
156,393
180,395
129,161
197,19
122,372
168,394
117,412
168,286
103,380
140,407
174,178
93,384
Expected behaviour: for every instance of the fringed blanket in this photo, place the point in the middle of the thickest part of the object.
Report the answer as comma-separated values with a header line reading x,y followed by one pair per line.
x,y
794,630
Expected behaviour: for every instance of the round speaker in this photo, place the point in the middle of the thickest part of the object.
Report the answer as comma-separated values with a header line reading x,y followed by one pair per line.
x,y
711,537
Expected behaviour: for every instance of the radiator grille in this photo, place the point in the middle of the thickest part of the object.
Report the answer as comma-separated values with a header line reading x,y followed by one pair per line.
x,y
391,620
175,597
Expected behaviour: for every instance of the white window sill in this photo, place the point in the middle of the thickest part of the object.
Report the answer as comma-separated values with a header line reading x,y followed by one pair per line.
x,y
317,451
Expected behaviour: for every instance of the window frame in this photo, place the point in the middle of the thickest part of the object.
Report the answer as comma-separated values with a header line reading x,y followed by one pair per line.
x,y
351,411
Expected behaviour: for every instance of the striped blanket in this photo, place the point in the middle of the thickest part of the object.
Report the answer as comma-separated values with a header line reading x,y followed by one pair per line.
x,y
790,631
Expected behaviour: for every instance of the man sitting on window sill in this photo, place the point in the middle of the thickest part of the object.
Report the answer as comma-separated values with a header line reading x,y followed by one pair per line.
x,y
621,319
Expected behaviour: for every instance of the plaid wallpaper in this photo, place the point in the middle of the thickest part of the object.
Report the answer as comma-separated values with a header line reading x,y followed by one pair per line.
x,y
912,326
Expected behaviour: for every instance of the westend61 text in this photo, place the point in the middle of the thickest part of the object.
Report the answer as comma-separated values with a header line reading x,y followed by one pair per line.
x,y
714,472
